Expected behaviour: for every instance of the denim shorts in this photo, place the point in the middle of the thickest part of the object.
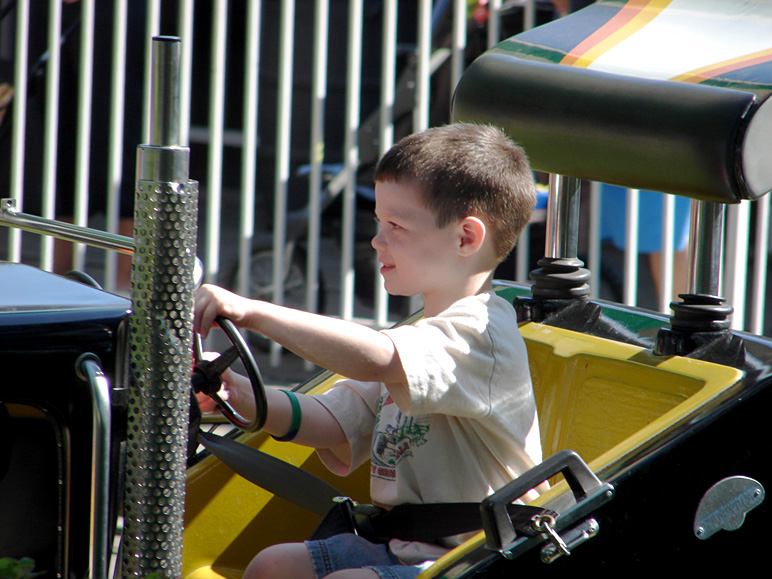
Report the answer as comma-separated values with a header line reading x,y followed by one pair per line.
x,y
349,551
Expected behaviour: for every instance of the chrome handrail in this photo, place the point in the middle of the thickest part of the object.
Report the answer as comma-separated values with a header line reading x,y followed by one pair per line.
x,y
88,369
12,217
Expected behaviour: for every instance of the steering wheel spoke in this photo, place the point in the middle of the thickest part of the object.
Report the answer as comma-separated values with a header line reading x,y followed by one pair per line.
x,y
207,377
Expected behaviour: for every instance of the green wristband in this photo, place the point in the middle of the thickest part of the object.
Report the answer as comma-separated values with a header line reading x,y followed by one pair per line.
x,y
296,417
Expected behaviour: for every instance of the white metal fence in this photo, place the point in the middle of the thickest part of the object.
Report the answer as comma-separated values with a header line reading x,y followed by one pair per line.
x,y
286,104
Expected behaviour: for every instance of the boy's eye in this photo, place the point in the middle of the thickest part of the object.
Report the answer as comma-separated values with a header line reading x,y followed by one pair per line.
x,y
389,224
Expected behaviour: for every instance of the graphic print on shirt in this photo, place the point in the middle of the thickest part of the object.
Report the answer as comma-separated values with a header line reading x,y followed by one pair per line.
x,y
395,437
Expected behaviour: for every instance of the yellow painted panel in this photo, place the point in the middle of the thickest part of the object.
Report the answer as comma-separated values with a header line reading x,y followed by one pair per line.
x,y
605,400
228,519
593,393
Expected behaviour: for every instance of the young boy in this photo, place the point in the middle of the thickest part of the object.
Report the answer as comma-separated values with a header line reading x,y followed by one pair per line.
x,y
444,409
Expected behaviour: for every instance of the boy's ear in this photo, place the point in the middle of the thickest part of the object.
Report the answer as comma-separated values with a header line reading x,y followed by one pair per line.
x,y
472,233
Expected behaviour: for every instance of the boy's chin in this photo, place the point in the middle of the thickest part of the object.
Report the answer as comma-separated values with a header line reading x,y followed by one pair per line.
x,y
400,293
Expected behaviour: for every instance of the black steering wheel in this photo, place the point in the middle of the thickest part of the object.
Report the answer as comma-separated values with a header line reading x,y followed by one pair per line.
x,y
207,377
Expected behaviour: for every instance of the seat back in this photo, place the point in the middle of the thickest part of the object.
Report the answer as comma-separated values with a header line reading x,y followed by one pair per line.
x,y
596,394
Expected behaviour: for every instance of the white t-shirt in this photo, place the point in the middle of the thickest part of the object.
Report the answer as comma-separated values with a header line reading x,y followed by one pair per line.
x,y
471,426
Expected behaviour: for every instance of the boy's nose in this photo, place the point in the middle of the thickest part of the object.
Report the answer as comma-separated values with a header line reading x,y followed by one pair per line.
x,y
377,240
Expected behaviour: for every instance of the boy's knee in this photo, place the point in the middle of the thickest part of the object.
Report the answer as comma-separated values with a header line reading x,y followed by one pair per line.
x,y
280,561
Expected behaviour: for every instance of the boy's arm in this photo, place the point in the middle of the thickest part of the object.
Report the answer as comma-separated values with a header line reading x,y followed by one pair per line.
x,y
347,348
318,427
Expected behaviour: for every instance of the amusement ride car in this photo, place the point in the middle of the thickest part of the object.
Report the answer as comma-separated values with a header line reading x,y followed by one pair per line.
x,y
652,426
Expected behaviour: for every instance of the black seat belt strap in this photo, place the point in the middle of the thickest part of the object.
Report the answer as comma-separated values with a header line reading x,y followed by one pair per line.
x,y
429,522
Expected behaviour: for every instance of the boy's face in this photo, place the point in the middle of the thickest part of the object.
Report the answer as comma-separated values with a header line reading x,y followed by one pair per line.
x,y
417,257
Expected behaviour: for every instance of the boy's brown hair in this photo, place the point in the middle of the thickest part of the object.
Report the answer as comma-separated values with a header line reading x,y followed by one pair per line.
x,y
467,170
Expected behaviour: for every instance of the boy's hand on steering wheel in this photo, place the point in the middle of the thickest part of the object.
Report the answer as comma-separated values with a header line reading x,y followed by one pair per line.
x,y
212,301
235,389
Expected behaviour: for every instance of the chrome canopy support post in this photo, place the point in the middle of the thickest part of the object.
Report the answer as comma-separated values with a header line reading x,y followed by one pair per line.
x,y
560,279
563,217
706,248
165,223
701,319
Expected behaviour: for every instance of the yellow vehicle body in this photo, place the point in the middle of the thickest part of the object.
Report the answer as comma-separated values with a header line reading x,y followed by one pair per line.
x,y
604,399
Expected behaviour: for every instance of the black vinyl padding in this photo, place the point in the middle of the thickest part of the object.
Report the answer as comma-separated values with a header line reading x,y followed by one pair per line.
x,y
673,137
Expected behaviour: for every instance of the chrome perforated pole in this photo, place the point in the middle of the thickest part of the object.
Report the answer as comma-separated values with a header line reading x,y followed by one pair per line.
x,y
165,218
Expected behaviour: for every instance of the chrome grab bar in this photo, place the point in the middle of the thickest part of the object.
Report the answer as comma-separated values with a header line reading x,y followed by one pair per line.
x,y
89,370
12,217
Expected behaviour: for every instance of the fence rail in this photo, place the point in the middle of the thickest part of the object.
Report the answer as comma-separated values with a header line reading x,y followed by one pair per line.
x,y
286,104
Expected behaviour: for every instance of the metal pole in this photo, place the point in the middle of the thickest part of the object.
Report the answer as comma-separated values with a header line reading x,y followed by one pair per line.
x,y
560,274
115,161
9,215
51,130
249,150
759,286
630,292
19,120
423,69
89,370
668,229
283,152
594,245
83,142
706,248
386,129
353,87
161,334
563,217
216,130
319,91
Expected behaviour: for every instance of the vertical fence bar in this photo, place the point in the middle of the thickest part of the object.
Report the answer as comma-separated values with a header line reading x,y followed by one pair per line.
x,y
215,149
630,291
316,153
529,14
736,272
51,130
249,150
386,139
185,25
760,259
523,249
353,87
161,334
423,74
115,154
593,238
423,80
83,138
283,149
665,289
152,29
494,22
20,75
459,44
